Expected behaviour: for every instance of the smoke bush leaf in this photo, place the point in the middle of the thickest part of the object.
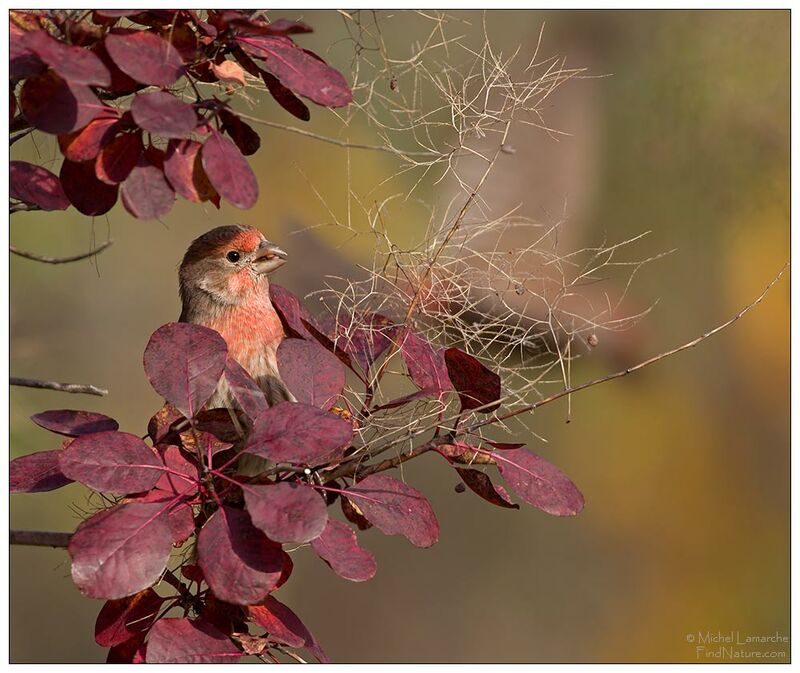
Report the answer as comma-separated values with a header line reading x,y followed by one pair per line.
x,y
75,64
122,619
165,115
481,483
425,365
476,385
300,434
87,142
240,564
338,547
229,172
74,423
37,186
539,483
36,473
144,56
118,158
184,170
291,311
184,363
185,641
284,626
54,105
287,511
244,390
312,373
89,195
396,508
285,98
112,462
146,194
120,550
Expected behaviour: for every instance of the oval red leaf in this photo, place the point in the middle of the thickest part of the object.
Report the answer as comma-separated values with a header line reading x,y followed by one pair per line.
x,y
184,363
165,115
122,619
476,385
112,462
37,186
299,434
338,547
144,56
396,508
117,159
425,364
312,373
291,310
184,170
183,641
481,483
538,482
146,194
298,70
75,64
285,98
87,142
36,473
229,172
238,561
245,391
242,134
55,106
120,550
89,195
287,511
281,623
74,423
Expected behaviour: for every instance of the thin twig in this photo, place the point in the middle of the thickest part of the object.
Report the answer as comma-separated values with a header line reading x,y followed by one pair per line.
x,y
19,136
22,208
61,260
84,388
39,538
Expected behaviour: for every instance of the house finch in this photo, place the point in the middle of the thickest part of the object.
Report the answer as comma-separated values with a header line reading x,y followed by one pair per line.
x,y
224,285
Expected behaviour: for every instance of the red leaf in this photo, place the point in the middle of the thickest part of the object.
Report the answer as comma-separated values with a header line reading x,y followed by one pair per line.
x,y
539,483
425,365
287,511
299,71
36,473
185,641
120,82
172,482
368,340
117,159
396,508
338,547
75,64
165,115
37,186
144,56
291,311
120,550
285,98
228,71
55,106
112,462
146,194
240,564
132,651
87,142
311,372
122,619
228,171
84,190
282,625
184,170
299,434
184,363
481,483
277,27
245,391
503,446
74,423
476,385
22,61
246,139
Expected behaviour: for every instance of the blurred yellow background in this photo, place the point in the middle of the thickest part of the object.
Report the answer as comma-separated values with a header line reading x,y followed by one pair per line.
x,y
685,466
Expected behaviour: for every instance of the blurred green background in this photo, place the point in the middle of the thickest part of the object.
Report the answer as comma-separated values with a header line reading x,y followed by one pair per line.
x,y
685,466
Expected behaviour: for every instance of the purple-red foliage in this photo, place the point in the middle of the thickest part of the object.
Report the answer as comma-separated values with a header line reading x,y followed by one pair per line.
x,y
112,93
181,483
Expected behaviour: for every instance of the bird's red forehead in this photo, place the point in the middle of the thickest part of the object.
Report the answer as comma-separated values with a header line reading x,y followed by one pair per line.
x,y
247,240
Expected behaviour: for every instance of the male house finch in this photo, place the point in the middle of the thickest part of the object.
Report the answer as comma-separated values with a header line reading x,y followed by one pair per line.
x,y
224,286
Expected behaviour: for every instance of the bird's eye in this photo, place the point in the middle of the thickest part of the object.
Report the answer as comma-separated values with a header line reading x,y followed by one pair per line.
x,y
233,256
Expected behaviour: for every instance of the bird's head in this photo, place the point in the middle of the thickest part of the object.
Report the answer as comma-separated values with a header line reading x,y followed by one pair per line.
x,y
228,263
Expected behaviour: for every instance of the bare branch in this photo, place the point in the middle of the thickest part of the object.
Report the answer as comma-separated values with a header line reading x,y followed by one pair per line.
x,y
39,538
19,136
22,207
80,388
61,260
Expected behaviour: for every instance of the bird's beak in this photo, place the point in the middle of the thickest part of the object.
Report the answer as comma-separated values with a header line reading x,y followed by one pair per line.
x,y
268,258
